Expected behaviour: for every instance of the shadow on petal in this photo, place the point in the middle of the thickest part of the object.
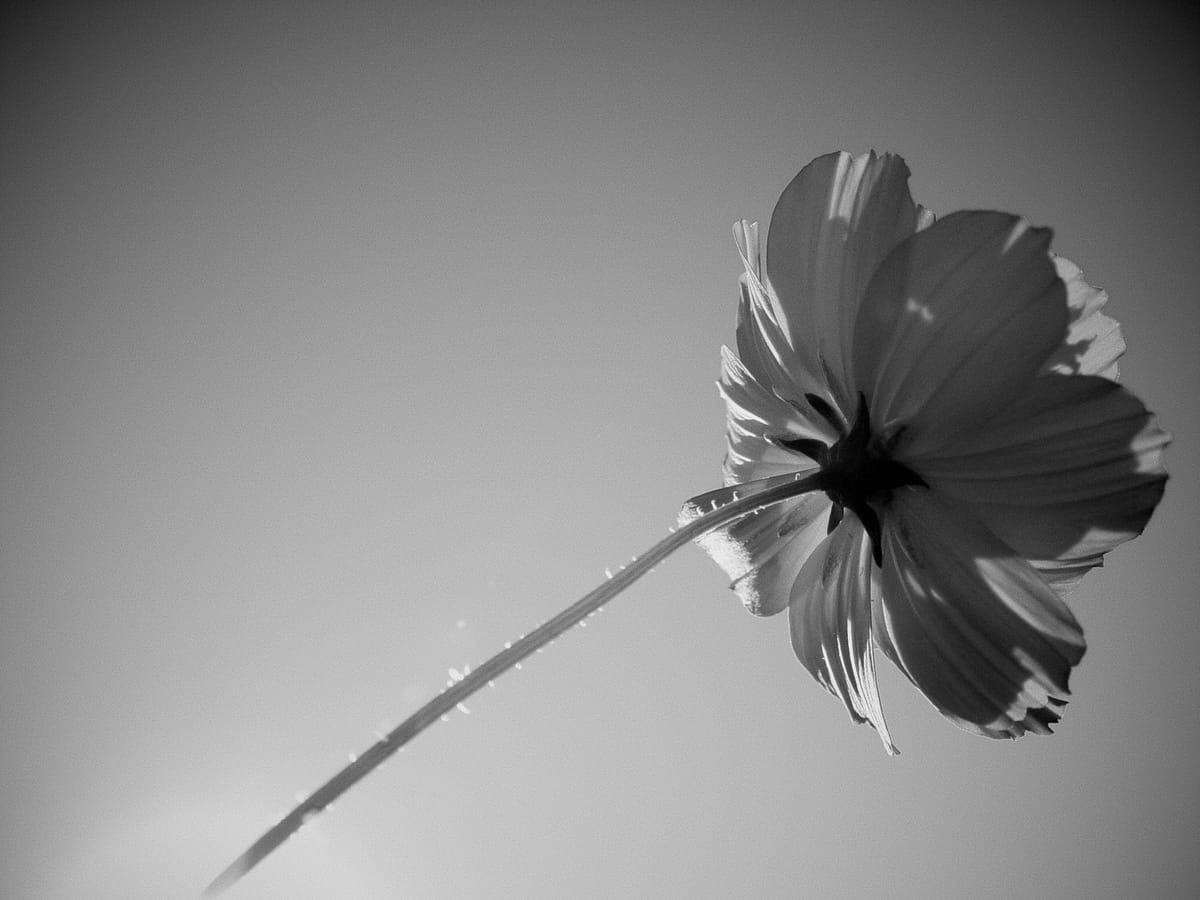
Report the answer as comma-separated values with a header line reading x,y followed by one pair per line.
x,y
970,623
1064,475
955,325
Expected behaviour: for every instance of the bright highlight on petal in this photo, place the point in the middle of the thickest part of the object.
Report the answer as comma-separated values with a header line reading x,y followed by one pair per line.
x,y
1094,341
756,416
830,614
950,386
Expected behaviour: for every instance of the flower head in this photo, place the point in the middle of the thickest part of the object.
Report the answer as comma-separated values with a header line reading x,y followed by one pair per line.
x,y
952,385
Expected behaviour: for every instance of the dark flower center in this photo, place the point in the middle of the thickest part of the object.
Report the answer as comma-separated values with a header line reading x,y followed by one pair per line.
x,y
858,470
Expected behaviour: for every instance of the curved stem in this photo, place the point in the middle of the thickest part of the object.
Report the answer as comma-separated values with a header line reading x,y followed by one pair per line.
x,y
496,665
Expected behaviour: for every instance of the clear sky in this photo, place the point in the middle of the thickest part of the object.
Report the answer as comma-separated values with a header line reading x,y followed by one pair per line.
x,y
340,344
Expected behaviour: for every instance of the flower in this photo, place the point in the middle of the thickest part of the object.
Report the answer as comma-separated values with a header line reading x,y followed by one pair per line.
x,y
953,386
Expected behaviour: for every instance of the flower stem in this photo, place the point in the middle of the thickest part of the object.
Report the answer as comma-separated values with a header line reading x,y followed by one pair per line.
x,y
498,664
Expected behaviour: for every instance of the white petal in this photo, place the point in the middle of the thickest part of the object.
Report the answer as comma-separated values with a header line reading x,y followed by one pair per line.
x,y
762,553
971,623
833,225
763,343
955,325
830,617
1063,475
745,236
757,418
1094,341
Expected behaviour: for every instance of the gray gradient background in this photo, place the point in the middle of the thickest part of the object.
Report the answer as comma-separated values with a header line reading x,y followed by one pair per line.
x,y
341,344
